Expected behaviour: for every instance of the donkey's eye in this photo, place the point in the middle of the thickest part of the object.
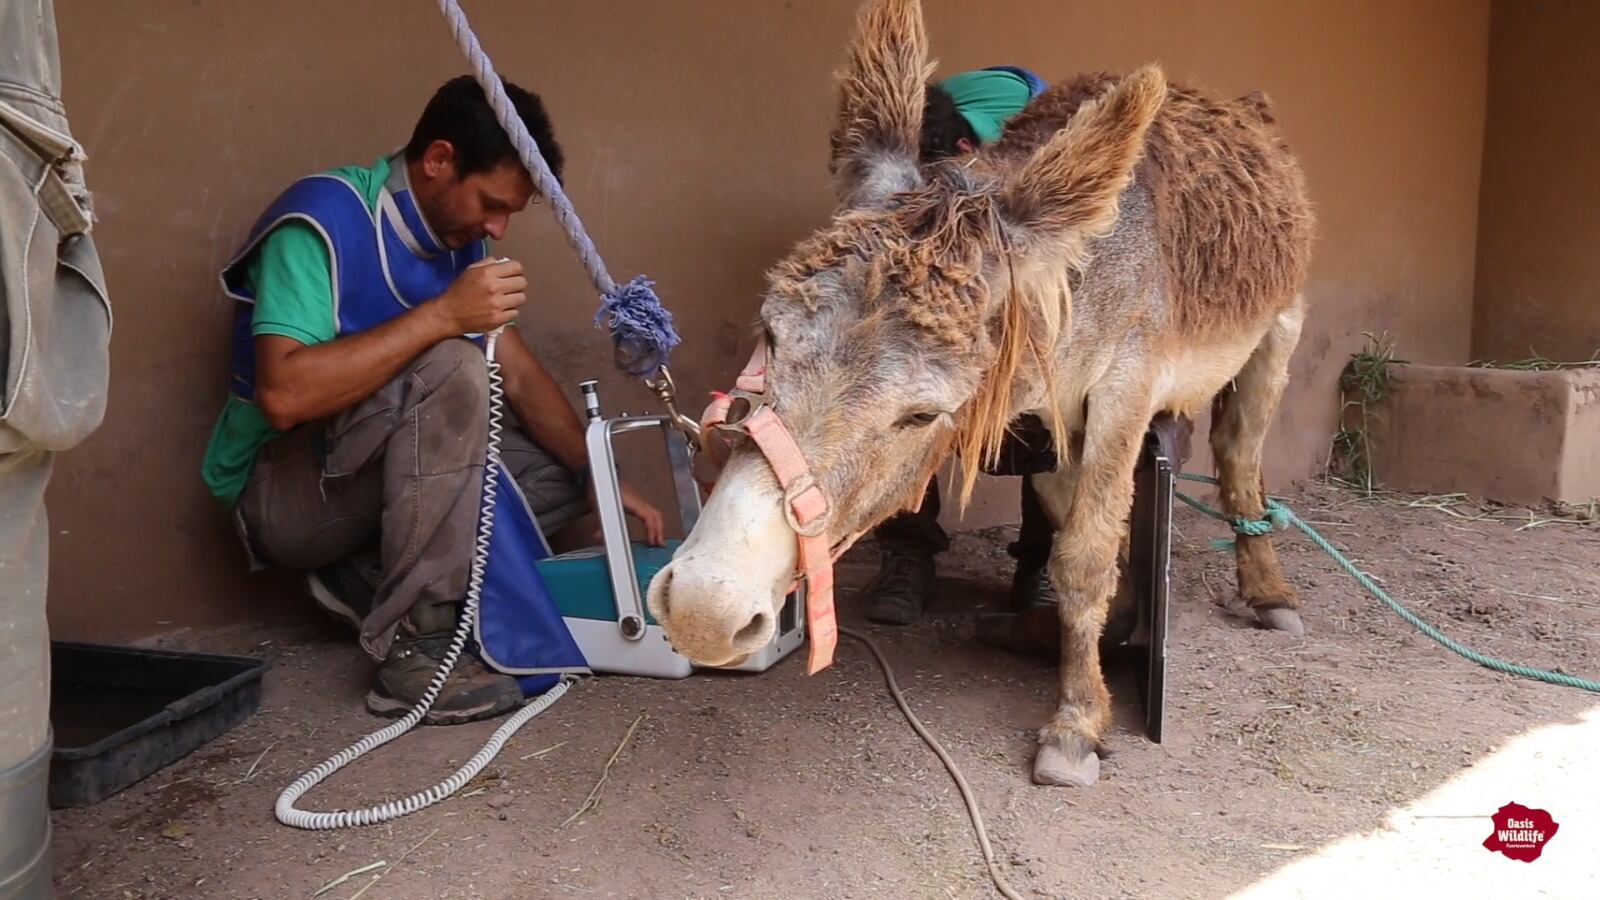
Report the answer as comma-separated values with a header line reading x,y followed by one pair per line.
x,y
920,419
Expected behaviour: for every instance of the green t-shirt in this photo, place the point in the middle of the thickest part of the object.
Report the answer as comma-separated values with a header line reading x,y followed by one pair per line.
x,y
290,274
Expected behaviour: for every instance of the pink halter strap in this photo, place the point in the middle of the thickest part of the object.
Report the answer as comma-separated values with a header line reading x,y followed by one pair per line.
x,y
805,503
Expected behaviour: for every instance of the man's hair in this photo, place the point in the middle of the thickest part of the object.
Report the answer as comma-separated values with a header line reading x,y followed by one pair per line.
x,y
460,114
943,126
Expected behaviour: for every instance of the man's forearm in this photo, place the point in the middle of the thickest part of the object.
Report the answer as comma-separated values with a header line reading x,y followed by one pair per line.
x,y
305,383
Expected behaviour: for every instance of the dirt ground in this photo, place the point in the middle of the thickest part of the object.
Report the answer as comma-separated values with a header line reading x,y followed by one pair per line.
x,y
781,785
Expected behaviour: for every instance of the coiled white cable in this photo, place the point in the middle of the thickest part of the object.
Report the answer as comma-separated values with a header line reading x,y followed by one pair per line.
x,y
394,809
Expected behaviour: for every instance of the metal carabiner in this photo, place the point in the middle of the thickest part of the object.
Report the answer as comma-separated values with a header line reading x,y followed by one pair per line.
x,y
667,391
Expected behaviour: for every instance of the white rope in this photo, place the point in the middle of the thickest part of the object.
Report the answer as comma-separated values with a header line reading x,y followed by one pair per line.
x,y
394,809
641,328
527,149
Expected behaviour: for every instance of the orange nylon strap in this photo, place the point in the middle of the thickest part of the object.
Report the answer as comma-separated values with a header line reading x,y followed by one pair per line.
x,y
824,627
752,380
805,505
712,443
802,495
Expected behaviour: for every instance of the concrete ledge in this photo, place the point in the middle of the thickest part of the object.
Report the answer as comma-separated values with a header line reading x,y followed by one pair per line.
x,y
1505,435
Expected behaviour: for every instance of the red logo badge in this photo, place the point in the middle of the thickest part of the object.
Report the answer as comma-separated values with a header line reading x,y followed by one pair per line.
x,y
1521,833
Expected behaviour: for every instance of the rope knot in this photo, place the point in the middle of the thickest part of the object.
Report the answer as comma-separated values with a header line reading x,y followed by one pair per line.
x,y
641,328
1253,527
1276,518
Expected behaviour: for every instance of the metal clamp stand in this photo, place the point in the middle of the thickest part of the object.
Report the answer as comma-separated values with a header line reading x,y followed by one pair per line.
x,y
600,437
635,645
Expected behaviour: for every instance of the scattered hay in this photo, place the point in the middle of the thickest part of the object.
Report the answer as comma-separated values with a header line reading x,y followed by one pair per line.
x,y
1537,363
593,799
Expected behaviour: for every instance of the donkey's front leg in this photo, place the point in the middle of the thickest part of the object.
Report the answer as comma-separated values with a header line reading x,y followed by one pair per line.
x,y
1083,567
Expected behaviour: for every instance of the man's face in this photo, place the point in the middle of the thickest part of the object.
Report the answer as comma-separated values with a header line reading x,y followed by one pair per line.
x,y
463,210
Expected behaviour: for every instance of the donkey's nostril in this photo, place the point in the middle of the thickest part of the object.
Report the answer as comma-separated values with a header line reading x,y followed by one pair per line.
x,y
662,589
753,631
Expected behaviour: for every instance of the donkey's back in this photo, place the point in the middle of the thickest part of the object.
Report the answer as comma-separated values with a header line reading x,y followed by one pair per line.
x,y
1231,212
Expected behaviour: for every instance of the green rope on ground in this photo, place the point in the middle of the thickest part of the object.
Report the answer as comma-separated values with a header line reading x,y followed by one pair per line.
x,y
1277,512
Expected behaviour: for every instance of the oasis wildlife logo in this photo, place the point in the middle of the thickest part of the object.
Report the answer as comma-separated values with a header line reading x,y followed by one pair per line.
x,y
1520,833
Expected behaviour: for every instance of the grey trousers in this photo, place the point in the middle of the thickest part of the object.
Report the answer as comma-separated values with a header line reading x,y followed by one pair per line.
x,y
55,329
400,472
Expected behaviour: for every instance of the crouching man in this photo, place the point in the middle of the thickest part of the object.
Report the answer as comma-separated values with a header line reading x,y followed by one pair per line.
x,y
352,445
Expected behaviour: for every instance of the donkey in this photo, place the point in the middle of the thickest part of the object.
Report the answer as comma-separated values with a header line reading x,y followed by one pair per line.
x,y
1127,248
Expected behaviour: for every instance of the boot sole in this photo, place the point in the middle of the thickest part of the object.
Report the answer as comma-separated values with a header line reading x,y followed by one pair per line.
x,y
893,612
898,609
387,707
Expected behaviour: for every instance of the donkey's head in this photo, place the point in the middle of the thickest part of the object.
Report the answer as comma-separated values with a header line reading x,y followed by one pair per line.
x,y
900,331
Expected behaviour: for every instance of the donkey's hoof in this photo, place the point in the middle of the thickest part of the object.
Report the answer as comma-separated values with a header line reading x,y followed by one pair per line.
x,y
1282,619
1075,765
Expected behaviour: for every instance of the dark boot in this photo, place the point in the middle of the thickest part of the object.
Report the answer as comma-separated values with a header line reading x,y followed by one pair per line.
x,y
909,541
1030,583
471,692
899,593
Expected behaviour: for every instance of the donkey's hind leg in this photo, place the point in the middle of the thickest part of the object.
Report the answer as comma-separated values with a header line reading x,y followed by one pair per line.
x,y
1239,424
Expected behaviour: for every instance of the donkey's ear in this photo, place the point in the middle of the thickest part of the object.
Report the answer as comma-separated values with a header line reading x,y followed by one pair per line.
x,y
1068,192
881,93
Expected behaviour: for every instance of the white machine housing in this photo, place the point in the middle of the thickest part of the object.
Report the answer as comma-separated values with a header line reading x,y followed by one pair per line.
x,y
633,644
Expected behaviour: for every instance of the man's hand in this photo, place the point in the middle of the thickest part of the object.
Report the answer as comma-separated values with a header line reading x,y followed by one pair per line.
x,y
296,383
654,524
484,297
648,516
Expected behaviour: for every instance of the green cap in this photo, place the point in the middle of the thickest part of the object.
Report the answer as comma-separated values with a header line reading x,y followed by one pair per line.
x,y
987,99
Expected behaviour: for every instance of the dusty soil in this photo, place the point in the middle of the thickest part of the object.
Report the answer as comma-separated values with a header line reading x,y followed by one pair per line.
x,y
786,786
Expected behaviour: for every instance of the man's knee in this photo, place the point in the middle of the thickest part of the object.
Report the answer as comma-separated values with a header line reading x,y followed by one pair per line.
x,y
455,367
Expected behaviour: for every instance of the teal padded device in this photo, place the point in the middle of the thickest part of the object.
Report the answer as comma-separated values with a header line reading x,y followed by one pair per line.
x,y
581,583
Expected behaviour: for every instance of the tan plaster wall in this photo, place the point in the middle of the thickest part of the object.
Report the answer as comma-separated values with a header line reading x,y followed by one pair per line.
x,y
696,132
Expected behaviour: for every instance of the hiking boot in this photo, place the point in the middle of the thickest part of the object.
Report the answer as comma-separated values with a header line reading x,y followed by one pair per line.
x,y
342,592
472,691
1031,586
900,591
